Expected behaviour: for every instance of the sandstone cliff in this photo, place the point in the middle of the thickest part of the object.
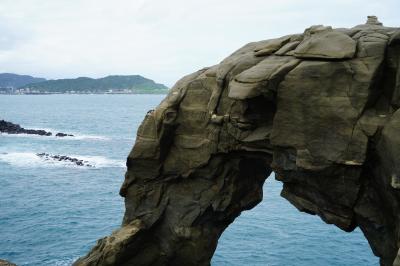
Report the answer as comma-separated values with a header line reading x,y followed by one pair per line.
x,y
320,109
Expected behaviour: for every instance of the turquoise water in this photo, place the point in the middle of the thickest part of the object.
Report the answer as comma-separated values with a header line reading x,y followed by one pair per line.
x,y
52,213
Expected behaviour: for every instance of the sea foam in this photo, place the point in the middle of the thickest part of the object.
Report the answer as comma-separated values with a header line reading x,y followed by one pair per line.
x,y
74,137
31,159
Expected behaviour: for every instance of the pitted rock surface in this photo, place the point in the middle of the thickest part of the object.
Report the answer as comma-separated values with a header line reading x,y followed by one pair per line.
x,y
320,109
6,263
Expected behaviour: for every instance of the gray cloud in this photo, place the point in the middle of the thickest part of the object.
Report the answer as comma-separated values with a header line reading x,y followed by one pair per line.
x,y
162,40
12,35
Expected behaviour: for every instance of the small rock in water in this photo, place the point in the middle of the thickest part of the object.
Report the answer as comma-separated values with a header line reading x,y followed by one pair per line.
x,y
64,158
60,134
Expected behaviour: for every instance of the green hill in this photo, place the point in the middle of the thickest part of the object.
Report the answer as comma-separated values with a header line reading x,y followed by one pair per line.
x,y
10,80
109,84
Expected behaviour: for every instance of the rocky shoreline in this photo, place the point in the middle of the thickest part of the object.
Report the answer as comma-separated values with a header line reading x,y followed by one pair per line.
x,y
11,128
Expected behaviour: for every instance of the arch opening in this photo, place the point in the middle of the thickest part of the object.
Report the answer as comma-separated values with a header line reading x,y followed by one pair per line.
x,y
275,233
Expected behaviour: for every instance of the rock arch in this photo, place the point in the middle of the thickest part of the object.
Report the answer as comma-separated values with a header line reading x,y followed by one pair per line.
x,y
320,109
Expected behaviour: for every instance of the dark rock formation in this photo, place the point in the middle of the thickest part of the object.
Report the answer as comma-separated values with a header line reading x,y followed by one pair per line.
x,y
60,134
64,158
6,263
10,128
320,109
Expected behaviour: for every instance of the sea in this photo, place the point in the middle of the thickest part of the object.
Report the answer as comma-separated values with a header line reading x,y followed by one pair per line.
x,y
53,212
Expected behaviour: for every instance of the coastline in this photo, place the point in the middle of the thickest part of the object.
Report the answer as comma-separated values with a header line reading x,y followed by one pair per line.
x,y
92,93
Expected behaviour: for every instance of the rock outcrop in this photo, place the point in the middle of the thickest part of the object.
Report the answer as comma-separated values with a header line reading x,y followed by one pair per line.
x,y
320,109
64,158
11,128
6,263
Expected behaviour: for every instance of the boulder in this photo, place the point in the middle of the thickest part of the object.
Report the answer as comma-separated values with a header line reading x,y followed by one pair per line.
x,y
326,44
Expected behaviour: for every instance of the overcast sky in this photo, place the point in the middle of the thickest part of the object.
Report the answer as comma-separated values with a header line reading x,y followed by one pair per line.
x,y
162,40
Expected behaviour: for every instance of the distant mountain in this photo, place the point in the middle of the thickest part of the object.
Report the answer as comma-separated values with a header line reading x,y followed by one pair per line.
x,y
109,84
9,80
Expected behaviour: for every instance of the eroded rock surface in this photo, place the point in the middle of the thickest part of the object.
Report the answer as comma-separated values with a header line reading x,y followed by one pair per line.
x,y
6,263
320,109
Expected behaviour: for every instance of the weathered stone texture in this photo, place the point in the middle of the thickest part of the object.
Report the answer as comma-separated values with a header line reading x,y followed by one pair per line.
x,y
320,109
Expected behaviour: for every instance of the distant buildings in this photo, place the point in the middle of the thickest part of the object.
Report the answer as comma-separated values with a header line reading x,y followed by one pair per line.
x,y
11,90
28,90
7,90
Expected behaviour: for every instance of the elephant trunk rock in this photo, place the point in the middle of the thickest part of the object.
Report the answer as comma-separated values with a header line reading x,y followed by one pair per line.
x,y
320,109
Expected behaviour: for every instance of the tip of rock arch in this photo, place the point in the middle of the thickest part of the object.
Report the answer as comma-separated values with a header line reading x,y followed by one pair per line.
x,y
319,108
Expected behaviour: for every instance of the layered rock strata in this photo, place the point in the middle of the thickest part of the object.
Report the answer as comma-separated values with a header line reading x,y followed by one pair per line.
x,y
320,109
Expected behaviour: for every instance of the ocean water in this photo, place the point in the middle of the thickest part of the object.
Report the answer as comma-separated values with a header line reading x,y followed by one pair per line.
x,y
51,213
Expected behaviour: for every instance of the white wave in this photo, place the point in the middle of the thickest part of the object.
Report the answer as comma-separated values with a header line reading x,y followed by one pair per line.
x,y
21,159
75,137
30,159
61,262
84,137
23,135
41,128
100,161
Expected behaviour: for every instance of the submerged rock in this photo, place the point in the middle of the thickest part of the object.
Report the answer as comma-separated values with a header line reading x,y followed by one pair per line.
x,y
320,109
63,158
60,134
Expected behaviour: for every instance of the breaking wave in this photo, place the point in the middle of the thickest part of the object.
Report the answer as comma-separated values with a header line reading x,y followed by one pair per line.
x,y
31,159
75,137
